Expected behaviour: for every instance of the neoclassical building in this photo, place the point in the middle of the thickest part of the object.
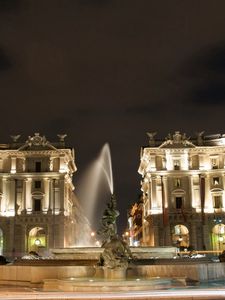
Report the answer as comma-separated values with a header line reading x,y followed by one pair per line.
x,y
38,208
183,181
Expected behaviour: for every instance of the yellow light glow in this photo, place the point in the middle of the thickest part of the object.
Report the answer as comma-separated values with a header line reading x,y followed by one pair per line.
x,y
37,242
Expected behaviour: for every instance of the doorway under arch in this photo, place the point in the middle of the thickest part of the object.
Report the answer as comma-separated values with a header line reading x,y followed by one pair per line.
x,y
180,236
36,239
218,237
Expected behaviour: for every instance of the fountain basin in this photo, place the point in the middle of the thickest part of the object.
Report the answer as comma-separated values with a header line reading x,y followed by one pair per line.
x,y
98,285
43,275
93,253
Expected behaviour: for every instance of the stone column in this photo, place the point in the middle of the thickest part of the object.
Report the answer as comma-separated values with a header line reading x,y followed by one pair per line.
x,y
191,203
12,196
153,193
23,197
45,206
202,162
208,197
166,223
153,162
13,165
223,187
61,164
28,197
149,197
4,204
61,195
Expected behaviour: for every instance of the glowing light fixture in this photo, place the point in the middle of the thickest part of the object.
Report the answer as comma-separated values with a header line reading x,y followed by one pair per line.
x,y
37,242
220,238
180,239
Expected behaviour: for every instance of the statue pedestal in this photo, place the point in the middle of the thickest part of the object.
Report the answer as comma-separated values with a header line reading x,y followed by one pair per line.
x,y
116,273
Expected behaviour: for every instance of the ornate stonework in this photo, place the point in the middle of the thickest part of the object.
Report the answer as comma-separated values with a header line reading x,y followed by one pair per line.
x,y
183,186
36,192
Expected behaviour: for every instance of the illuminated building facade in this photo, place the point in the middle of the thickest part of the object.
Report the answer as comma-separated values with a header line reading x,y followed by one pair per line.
x,y
183,181
38,209
135,224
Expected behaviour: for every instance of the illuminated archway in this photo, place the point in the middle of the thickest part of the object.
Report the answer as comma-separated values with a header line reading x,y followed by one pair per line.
x,y
180,236
1,241
36,239
218,237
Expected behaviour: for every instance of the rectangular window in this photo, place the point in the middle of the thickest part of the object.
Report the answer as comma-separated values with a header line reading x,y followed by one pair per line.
x,y
37,184
179,202
216,180
218,202
215,163
37,204
37,166
176,164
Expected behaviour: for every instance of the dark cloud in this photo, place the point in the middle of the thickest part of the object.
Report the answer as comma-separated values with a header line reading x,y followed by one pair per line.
x,y
93,2
56,125
207,61
5,62
144,109
213,94
6,5
205,74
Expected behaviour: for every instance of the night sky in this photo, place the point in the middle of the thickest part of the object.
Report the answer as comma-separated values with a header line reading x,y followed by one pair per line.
x,y
110,71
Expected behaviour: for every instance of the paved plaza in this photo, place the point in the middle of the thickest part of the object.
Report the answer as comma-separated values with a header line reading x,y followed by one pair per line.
x,y
20,293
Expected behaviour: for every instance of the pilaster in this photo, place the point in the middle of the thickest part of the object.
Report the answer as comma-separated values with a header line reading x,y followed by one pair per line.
x,y
28,197
45,206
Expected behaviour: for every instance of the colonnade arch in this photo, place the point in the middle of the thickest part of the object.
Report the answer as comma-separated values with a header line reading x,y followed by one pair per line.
x,y
180,236
218,237
37,239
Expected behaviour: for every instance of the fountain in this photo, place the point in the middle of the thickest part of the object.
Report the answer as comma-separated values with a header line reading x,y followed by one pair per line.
x,y
114,266
116,254
96,183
